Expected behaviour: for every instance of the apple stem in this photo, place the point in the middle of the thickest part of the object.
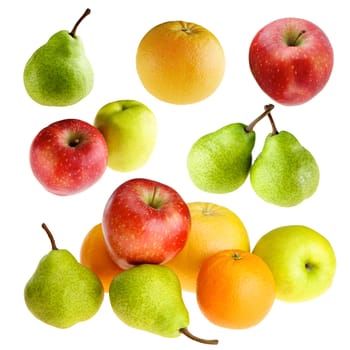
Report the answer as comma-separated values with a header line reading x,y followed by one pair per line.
x,y
187,333
74,30
295,41
273,125
268,109
153,202
52,240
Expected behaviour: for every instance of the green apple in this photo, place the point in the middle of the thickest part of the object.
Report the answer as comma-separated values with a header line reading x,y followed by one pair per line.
x,y
130,130
302,261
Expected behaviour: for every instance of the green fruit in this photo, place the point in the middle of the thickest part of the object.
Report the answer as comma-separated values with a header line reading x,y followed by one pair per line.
x,y
62,292
219,162
130,130
148,297
284,173
301,260
59,73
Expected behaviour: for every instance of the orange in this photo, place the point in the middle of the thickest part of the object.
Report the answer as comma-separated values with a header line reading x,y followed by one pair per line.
x,y
213,228
94,255
180,62
235,289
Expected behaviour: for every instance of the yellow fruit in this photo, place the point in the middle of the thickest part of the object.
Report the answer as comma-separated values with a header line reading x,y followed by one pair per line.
x,y
213,228
180,62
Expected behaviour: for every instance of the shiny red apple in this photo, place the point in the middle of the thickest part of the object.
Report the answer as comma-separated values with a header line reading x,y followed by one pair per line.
x,y
291,59
145,221
68,156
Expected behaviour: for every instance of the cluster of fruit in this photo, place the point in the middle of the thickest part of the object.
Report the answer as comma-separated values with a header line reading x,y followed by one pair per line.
x,y
151,244
70,155
285,173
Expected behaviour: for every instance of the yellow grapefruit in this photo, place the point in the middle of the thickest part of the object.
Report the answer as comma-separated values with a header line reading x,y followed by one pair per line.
x,y
214,228
180,62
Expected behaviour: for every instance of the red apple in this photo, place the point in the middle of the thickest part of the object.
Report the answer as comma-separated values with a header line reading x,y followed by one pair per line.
x,y
291,59
68,156
145,221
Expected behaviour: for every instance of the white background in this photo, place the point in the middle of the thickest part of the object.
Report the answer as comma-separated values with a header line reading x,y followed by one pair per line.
x,y
111,35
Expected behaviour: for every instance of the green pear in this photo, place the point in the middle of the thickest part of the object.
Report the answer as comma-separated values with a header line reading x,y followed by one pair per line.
x,y
59,73
219,162
130,130
62,292
149,297
285,173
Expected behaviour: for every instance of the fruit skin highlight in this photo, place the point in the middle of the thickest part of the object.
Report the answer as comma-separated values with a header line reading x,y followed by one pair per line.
x,y
291,59
302,261
213,228
180,62
235,289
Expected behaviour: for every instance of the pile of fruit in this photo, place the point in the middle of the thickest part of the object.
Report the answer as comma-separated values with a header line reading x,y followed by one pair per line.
x,y
151,245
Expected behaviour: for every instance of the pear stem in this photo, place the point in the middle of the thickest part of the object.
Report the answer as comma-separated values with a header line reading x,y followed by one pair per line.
x,y
187,333
74,30
52,240
274,129
268,109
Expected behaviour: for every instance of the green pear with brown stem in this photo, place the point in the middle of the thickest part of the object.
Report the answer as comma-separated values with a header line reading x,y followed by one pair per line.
x,y
149,297
285,173
62,292
219,162
59,73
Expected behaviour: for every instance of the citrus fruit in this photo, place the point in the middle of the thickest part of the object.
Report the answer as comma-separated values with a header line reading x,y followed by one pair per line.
x,y
213,228
235,289
94,255
180,62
